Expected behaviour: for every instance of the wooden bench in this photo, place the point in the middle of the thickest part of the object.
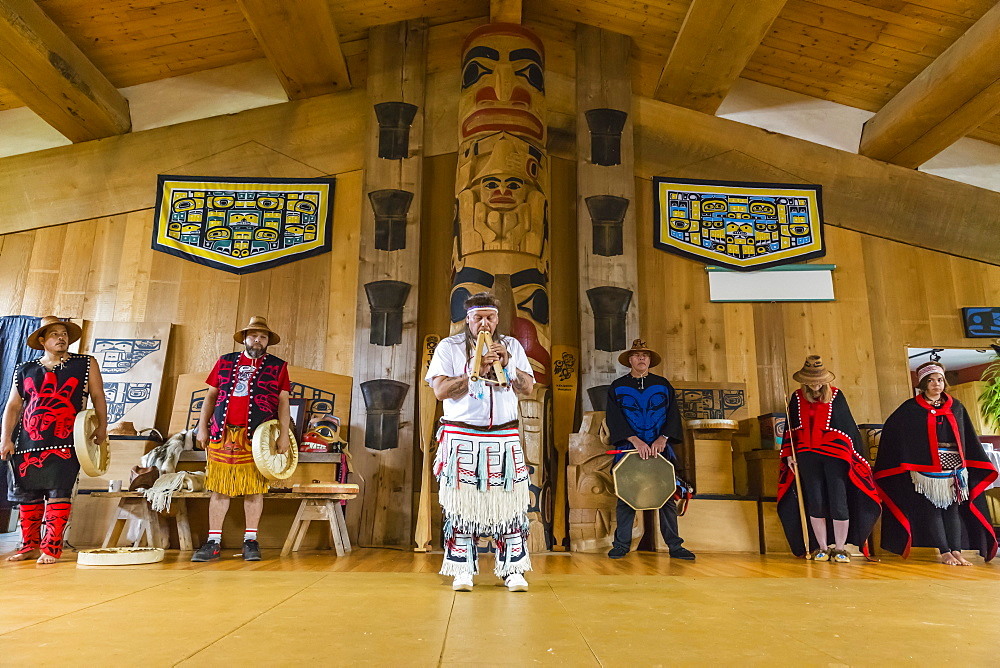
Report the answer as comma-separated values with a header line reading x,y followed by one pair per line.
x,y
133,507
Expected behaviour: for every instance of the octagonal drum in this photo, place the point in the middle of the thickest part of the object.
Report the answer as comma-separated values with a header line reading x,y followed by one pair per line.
x,y
644,484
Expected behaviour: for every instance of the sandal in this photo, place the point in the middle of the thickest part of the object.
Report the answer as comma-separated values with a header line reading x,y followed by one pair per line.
x,y
840,556
820,555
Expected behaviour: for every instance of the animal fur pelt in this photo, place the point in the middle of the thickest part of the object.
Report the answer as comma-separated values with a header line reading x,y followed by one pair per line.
x,y
164,457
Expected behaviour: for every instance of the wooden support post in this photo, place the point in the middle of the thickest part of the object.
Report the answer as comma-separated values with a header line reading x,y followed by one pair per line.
x,y
49,73
605,207
505,11
385,349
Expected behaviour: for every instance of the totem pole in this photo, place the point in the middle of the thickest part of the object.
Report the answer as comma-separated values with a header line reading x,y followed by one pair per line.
x,y
501,220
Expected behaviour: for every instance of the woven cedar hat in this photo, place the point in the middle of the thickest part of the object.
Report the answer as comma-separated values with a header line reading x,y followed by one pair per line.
x,y
72,329
813,372
639,346
260,324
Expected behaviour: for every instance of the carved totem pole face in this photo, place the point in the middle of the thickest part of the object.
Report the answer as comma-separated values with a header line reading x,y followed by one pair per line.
x,y
501,216
503,83
502,185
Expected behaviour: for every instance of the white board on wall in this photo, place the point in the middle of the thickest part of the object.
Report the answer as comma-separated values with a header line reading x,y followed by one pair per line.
x,y
786,283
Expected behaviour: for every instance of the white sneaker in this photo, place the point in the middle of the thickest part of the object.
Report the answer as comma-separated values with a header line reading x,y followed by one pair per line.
x,y
516,582
462,583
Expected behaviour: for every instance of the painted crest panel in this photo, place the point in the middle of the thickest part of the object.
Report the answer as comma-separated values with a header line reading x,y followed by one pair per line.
x,y
742,226
131,357
243,225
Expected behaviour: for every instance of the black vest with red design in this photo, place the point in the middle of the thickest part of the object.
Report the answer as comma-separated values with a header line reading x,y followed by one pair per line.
x,y
262,393
45,458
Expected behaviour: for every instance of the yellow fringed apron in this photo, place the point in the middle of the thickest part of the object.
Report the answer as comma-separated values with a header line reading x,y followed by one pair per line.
x,y
230,467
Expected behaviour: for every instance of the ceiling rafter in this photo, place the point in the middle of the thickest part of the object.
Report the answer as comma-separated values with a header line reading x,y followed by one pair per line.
x,y
49,73
950,98
715,42
301,41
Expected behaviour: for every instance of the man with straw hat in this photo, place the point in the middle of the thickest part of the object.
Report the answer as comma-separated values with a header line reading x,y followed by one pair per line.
x,y
38,440
643,415
822,464
246,389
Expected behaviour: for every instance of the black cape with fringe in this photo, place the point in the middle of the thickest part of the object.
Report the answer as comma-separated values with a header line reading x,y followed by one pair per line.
x,y
909,443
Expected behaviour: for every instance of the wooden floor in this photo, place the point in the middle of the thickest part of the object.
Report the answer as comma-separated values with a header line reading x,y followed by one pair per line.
x,y
386,607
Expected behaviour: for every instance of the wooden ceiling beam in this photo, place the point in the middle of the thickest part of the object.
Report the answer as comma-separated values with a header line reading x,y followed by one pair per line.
x,y
302,44
715,43
950,98
505,11
50,74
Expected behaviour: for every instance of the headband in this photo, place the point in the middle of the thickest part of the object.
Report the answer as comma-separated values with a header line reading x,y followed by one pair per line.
x,y
928,370
481,308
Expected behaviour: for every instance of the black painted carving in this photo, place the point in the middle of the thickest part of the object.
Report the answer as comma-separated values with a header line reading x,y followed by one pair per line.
x,y
599,397
610,305
606,135
390,207
607,214
386,299
383,401
394,120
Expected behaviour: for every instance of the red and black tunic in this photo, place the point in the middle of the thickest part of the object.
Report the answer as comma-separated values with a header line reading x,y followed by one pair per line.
x,y
259,398
910,443
44,455
826,429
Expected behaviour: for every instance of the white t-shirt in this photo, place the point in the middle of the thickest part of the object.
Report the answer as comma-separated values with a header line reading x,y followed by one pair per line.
x,y
450,360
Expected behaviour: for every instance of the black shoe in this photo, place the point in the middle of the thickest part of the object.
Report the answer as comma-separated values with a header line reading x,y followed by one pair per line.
x,y
617,552
207,552
682,553
251,550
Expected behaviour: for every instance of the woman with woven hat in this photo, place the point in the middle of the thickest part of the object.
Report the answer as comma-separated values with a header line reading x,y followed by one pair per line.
x,y
823,447
932,473
246,389
38,434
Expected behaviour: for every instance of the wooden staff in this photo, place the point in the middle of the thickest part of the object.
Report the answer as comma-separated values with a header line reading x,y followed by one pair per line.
x,y
483,343
565,377
798,490
428,408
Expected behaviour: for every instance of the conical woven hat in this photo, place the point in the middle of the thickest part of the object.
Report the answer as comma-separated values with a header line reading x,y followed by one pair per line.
x,y
813,372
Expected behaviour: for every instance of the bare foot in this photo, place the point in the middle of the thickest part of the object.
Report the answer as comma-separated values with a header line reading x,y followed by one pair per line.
x,y
21,556
949,559
962,561
46,559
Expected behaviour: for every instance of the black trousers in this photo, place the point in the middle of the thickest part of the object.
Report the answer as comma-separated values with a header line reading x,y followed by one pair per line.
x,y
824,485
625,514
945,527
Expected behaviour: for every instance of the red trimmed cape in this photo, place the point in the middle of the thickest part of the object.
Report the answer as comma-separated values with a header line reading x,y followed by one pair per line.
x,y
909,443
832,433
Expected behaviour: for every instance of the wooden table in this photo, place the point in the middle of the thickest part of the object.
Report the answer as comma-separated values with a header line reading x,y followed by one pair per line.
x,y
133,507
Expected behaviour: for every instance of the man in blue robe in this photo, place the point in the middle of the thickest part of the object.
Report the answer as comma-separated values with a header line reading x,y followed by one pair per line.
x,y
643,415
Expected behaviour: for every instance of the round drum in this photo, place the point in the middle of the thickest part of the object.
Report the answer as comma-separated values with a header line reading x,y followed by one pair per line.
x,y
644,484
119,556
272,465
94,457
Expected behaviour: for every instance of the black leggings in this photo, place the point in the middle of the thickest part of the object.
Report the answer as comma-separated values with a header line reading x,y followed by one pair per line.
x,y
824,485
945,528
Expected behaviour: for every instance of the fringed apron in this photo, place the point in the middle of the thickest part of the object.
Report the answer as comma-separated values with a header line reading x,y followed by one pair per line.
x,y
483,481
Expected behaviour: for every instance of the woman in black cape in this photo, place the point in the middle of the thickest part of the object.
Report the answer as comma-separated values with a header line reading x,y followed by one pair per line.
x,y
932,473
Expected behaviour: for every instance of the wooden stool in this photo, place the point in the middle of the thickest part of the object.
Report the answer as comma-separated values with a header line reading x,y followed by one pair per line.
x,y
324,509
133,507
